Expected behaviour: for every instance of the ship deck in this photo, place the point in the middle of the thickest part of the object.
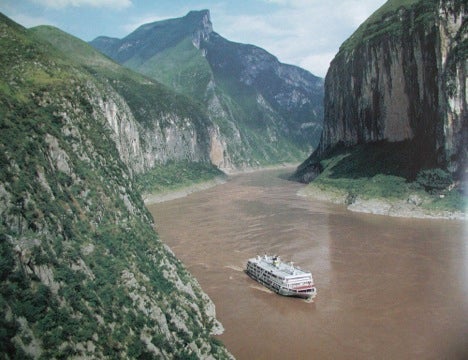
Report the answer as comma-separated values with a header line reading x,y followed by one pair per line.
x,y
282,270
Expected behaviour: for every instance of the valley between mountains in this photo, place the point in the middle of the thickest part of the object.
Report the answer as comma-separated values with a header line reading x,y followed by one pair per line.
x,y
87,129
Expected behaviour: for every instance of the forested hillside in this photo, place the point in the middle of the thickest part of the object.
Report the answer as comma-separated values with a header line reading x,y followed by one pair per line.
x,y
82,272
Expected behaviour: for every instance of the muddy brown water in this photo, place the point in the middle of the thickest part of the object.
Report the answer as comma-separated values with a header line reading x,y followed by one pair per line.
x,y
388,288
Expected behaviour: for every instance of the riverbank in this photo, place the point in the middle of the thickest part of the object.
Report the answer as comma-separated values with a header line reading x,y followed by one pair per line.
x,y
410,207
248,170
380,178
172,194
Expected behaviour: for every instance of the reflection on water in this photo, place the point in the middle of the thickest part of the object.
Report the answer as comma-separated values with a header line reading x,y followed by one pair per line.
x,y
387,288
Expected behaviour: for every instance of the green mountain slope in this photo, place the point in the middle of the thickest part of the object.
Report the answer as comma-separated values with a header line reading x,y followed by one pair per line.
x,y
265,112
152,124
82,272
181,67
139,92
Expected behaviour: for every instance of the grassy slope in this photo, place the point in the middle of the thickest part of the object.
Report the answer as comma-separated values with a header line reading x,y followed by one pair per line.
x,y
181,67
381,21
138,91
176,175
76,50
369,172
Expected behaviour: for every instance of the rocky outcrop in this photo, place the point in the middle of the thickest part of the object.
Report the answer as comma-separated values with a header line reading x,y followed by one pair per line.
x,y
165,137
452,58
142,147
402,76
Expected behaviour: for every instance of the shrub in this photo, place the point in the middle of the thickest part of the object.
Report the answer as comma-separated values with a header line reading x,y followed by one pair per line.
x,y
434,180
7,262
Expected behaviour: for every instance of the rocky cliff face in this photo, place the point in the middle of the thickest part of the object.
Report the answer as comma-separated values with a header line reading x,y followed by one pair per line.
x,y
149,123
452,60
82,272
262,111
287,100
402,76
163,136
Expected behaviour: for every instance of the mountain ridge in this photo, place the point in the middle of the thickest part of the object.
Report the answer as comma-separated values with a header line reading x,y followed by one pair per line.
x,y
121,49
244,99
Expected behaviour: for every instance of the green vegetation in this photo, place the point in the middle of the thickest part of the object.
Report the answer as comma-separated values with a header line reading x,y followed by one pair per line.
x,y
369,172
79,52
182,67
147,98
386,22
175,175
82,272
434,180
255,127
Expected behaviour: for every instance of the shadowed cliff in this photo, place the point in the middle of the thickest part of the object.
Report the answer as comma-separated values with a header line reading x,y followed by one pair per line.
x,y
401,78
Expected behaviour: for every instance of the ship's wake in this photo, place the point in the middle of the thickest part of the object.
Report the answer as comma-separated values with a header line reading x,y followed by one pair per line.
x,y
261,288
235,268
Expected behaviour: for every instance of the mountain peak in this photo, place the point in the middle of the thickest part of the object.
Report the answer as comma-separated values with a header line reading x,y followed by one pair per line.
x,y
199,13
202,25
149,39
195,20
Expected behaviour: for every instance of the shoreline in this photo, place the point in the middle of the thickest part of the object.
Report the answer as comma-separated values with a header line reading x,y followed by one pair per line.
x,y
168,195
394,208
386,207
248,170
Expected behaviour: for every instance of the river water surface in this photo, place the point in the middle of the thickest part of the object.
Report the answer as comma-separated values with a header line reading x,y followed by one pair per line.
x,y
388,288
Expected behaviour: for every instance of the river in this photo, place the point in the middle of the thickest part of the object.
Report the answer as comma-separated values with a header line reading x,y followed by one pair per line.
x,y
388,288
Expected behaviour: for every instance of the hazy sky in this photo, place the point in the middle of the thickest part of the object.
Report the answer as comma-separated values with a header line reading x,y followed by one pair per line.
x,y
306,33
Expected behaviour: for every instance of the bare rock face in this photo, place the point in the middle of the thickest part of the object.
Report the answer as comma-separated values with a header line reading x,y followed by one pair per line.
x,y
402,76
452,60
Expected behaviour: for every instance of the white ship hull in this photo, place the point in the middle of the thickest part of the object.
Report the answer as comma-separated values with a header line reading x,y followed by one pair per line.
x,y
281,278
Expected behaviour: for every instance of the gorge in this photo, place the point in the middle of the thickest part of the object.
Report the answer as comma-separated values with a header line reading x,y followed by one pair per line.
x,y
83,274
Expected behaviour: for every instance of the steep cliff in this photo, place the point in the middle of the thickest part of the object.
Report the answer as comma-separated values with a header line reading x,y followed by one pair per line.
x,y
263,111
82,272
452,59
150,123
401,77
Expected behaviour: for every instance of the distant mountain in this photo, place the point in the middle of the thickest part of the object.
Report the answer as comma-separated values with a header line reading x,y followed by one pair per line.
x,y
401,78
264,111
82,271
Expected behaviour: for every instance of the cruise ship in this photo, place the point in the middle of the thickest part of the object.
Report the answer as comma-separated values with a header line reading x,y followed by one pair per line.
x,y
282,278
